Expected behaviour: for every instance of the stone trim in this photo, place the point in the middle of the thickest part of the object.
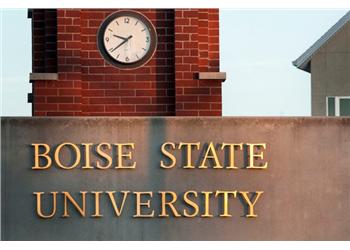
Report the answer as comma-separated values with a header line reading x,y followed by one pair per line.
x,y
43,76
212,76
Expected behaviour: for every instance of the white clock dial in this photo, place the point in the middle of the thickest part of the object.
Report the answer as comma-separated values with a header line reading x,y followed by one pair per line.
x,y
127,39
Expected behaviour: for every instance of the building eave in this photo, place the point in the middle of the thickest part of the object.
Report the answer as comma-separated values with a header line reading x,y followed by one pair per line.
x,y
303,62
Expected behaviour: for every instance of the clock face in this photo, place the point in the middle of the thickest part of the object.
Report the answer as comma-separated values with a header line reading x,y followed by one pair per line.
x,y
127,39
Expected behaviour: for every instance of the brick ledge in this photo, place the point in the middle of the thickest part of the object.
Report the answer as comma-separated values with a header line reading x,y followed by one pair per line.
x,y
43,76
212,76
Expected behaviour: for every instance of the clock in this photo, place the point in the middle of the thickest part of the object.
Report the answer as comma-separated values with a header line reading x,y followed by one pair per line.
x,y
127,39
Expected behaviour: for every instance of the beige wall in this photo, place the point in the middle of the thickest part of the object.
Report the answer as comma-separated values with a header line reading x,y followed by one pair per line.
x,y
330,71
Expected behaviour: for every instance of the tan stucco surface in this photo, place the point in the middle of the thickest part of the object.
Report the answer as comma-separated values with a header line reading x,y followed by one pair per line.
x,y
306,186
330,71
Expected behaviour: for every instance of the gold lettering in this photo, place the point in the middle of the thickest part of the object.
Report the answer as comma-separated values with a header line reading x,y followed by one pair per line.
x,y
44,154
87,156
225,197
80,209
117,210
169,155
38,205
251,205
252,155
104,155
191,203
97,204
231,147
211,150
168,203
206,204
122,155
189,152
57,157
139,204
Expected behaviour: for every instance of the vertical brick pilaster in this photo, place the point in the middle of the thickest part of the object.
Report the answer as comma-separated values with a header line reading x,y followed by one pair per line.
x,y
44,40
214,99
186,62
50,47
196,50
203,39
69,61
213,41
38,40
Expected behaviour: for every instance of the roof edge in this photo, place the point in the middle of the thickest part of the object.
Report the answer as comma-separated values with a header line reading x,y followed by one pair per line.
x,y
303,61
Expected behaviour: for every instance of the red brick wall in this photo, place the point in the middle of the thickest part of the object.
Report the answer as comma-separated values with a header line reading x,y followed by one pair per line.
x,y
197,50
188,42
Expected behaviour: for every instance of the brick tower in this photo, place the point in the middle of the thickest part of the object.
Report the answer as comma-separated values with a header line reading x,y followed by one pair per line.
x,y
71,78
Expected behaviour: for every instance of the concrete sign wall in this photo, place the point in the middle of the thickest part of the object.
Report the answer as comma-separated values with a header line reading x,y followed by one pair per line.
x,y
130,179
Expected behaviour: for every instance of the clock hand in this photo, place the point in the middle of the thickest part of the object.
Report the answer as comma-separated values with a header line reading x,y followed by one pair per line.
x,y
120,37
126,39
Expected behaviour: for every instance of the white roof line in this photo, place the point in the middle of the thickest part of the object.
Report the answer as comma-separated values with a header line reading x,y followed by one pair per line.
x,y
303,61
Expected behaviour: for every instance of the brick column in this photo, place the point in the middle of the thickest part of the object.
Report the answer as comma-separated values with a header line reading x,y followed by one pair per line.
x,y
196,50
209,52
68,62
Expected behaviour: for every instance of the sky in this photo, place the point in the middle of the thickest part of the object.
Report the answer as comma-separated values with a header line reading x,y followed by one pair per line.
x,y
15,37
257,48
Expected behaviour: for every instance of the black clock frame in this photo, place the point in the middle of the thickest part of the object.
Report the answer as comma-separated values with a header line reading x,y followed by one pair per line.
x,y
145,59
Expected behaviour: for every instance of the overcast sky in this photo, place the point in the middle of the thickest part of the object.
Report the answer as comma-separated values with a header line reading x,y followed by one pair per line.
x,y
256,46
